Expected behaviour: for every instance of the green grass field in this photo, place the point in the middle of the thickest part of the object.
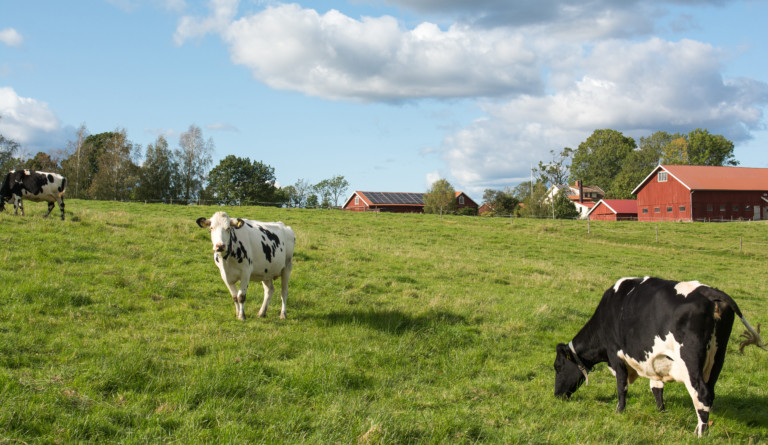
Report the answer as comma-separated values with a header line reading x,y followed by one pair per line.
x,y
116,327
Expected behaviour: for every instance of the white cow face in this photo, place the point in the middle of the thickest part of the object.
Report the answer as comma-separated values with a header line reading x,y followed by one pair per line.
x,y
221,226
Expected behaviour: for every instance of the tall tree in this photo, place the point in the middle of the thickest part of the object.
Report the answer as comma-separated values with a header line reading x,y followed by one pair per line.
x,y
323,191
599,159
42,162
500,202
117,174
82,165
299,192
157,176
556,171
640,162
238,180
710,149
441,198
337,187
8,149
195,155
536,205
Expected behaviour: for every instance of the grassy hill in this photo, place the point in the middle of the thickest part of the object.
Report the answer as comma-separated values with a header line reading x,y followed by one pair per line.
x,y
116,327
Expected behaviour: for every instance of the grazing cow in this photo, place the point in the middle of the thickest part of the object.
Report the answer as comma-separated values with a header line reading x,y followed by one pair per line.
x,y
34,186
662,330
248,250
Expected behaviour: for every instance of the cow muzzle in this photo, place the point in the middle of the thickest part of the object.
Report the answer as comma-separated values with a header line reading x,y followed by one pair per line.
x,y
219,247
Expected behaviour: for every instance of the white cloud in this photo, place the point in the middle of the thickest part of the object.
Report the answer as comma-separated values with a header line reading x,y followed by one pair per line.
x,y
371,59
224,12
550,72
221,126
11,37
654,85
24,119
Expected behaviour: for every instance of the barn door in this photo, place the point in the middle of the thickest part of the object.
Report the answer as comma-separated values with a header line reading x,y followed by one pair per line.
x,y
757,213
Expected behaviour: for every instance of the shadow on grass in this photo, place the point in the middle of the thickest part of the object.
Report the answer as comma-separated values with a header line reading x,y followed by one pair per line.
x,y
750,410
393,322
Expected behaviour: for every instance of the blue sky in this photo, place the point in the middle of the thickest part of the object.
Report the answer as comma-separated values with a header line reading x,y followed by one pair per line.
x,y
391,94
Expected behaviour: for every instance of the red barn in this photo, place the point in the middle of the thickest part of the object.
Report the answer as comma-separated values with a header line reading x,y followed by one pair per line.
x,y
614,210
702,193
397,202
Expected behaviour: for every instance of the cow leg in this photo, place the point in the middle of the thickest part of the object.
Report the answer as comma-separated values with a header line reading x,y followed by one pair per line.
x,y
657,388
240,299
285,277
16,206
269,290
61,206
702,401
50,209
622,383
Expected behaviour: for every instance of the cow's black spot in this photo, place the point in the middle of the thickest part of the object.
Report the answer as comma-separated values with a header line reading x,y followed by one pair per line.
x,y
266,270
267,251
50,178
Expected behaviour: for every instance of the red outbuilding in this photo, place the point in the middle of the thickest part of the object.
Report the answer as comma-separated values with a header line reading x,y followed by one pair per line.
x,y
614,210
702,193
396,202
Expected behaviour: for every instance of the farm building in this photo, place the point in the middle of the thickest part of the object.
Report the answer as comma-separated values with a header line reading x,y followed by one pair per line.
x,y
584,197
614,210
396,202
701,193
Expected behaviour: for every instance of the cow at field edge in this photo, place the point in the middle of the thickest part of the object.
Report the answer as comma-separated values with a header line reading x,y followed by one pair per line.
x,y
246,250
34,186
662,330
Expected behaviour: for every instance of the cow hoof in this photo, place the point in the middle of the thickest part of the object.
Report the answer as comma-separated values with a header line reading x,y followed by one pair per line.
x,y
262,314
283,316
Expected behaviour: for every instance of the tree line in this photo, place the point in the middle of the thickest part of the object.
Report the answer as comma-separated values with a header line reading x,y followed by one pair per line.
x,y
108,166
612,161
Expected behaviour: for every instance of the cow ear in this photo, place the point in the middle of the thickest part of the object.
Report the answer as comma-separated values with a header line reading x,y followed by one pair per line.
x,y
237,223
204,222
562,349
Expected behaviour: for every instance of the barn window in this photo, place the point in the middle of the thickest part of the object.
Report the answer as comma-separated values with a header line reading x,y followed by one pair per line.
x,y
645,211
657,210
357,200
461,199
669,209
748,208
709,207
682,208
736,208
722,207
662,176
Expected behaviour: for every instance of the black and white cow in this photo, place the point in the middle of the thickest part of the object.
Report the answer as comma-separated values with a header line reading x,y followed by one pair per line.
x,y
34,186
662,330
246,250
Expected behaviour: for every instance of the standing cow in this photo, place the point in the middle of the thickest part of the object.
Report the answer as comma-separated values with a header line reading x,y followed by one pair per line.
x,y
34,186
246,250
666,331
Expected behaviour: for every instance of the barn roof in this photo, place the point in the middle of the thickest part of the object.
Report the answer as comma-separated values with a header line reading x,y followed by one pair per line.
x,y
618,206
395,198
698,177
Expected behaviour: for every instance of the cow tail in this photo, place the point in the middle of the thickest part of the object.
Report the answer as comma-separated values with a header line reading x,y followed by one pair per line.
x,y
751,335
63,186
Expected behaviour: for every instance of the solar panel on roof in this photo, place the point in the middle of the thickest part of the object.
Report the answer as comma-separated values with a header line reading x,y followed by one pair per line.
x,y
395,198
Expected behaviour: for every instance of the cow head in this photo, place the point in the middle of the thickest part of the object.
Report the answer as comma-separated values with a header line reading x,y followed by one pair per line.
x,y
568,376
221,226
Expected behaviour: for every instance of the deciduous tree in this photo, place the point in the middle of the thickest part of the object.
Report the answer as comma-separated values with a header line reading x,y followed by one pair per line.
x,y
117,174
441,198
599,159
158,176
238,180
194,155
